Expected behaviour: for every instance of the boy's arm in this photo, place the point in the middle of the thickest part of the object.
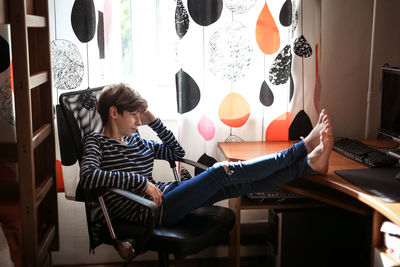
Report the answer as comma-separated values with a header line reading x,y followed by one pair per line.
x,y
169,149
91,176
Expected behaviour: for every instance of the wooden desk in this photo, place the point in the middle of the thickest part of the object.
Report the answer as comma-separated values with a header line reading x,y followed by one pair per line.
x,y
330,189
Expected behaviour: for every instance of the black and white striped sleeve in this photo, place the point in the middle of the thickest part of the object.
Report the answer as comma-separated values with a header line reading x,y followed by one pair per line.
x,y
170,147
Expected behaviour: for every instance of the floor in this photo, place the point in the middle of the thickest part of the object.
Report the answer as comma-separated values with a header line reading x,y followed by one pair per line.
x,y
204,262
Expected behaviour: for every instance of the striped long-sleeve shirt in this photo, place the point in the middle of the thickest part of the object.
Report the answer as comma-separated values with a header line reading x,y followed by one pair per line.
x,y
109,163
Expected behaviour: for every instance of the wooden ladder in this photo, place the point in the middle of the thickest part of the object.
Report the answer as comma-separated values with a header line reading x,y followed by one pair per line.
x,y
35,129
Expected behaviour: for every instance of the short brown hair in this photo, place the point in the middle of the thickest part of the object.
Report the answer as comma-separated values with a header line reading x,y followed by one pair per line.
x,y
122,96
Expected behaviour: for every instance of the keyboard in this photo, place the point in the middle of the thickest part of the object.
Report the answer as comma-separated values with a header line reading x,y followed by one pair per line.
x,y
363,153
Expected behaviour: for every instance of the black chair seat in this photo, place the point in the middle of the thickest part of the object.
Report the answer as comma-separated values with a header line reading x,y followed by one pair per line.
x,y
199,229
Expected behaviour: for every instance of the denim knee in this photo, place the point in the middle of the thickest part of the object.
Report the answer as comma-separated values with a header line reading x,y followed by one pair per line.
x,y
227,173
226,166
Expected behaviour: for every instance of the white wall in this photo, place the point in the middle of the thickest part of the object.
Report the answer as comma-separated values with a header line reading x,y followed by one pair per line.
x,y
387,50
346,38
346,48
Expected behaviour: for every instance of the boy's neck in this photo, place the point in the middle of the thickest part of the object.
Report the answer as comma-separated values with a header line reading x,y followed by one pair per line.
x,y
110,132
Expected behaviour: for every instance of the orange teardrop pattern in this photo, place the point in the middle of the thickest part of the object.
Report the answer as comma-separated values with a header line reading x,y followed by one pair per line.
x,y
267,33
234,110
278,129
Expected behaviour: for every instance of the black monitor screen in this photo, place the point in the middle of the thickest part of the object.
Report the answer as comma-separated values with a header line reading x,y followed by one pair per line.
x,y
390,102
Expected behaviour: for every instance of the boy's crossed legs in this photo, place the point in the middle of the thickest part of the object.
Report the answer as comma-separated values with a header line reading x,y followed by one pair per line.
x,y
219,183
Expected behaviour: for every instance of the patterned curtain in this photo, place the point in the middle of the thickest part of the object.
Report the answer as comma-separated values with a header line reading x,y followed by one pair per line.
x,y
246,70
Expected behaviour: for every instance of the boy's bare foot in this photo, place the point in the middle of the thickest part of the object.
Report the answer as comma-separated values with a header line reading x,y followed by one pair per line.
x,y
313,138
318,159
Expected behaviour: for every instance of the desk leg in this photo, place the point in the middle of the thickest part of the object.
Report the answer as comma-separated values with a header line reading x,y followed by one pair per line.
x,y
234,243
377,220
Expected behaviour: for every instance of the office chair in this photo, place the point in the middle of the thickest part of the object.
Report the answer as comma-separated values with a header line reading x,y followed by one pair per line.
x,y
202,228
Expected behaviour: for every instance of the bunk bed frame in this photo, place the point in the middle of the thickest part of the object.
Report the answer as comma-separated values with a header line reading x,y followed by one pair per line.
x,y
36,189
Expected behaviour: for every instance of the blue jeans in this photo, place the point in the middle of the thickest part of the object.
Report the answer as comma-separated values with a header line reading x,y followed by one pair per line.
x,y
242,177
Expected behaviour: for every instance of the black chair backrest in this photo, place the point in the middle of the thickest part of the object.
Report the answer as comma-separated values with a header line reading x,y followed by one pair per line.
x,y
79,116
76,117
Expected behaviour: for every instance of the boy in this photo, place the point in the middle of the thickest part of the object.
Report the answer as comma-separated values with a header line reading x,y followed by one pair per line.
x,y
119,157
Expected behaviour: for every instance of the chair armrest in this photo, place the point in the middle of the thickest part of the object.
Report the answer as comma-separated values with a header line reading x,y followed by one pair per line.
x,y
154,209
172,164
193,163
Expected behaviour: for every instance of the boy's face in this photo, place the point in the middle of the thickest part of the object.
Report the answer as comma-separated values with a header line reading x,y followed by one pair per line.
x,y
128,121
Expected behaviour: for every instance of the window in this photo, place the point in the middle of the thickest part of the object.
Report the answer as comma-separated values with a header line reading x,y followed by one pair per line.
x,y
149,46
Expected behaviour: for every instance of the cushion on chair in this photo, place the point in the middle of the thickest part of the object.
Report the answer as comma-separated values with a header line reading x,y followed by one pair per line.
x,y
202,228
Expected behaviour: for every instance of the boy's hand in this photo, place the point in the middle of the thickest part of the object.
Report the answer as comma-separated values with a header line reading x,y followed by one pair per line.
x,y
155,193
147,117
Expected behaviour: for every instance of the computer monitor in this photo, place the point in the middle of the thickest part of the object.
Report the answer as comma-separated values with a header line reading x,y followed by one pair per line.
x,y
390,104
